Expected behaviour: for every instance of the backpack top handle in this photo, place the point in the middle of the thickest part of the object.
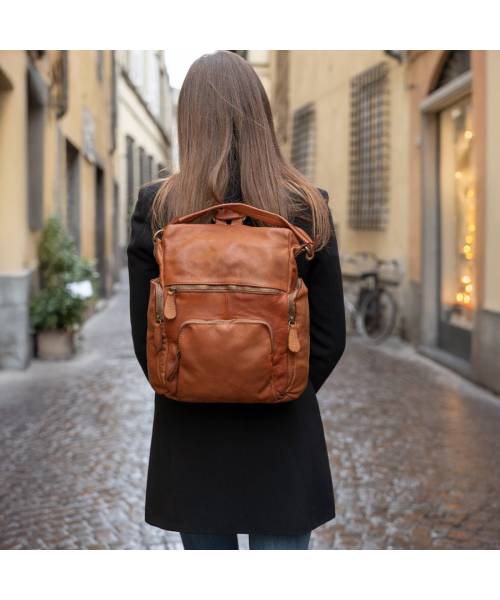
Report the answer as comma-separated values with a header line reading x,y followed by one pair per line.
x,y
267,217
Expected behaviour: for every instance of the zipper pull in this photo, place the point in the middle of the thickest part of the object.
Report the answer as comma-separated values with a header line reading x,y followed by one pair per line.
x,y
170,309
293,338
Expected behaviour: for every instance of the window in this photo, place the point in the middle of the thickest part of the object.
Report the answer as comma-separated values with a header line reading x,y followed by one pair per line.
x,y
73,193
369,161
142,167
100,64
130,175
457,235
149,169
37,99
303,140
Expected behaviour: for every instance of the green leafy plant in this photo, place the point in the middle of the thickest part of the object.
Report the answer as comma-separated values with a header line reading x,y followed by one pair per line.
x,y
55,306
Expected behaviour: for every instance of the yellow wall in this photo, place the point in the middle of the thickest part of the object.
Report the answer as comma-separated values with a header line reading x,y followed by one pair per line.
x,y
85,91
323,77
15,248
491,296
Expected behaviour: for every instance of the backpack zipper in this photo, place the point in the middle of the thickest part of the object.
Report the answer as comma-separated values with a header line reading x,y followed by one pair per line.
x,y
170,307
293,337
159,303
158,336
230,321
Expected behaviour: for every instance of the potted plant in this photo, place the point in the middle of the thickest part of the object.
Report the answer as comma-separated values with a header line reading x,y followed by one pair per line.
x,y
67,285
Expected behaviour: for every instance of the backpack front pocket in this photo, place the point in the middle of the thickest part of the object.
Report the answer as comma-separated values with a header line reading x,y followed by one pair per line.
x,y
225,361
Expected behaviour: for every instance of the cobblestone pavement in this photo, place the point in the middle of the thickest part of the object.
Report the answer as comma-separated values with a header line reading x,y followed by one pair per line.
x,y
414,450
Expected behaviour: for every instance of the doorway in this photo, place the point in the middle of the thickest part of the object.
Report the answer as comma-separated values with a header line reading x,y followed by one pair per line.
x,y
73,193
100,230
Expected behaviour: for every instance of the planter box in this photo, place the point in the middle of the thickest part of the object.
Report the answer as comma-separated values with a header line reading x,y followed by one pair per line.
x,y
56,345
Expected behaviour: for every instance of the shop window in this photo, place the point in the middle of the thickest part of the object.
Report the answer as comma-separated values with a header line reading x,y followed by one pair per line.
x,y
369,157
457,226
303,140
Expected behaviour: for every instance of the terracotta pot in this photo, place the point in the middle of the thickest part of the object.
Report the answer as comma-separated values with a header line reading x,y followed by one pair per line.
x,y
56,345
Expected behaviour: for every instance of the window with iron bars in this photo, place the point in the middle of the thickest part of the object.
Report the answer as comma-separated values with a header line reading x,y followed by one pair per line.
x,y
303,140
369,158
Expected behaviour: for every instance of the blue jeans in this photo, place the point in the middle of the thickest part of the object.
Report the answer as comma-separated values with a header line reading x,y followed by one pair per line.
x,y
257,541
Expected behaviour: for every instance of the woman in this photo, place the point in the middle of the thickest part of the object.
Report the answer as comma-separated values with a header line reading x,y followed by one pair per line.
x,y
216,470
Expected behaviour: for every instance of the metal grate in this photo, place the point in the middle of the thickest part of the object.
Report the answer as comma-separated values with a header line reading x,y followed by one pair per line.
x,y
369,160
303,140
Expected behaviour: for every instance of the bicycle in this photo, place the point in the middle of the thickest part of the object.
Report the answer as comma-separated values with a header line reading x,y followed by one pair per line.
x,y
373,312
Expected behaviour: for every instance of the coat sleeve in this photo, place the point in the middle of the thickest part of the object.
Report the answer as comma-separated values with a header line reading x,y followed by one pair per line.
x,y
326,309
142,267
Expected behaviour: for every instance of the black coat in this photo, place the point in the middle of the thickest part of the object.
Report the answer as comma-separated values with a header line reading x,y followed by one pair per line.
x,y
247,468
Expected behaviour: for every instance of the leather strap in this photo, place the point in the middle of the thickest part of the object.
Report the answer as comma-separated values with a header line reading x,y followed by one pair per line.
x,y
223,215
267,217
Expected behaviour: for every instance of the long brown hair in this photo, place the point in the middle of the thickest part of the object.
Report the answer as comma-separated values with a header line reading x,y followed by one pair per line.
x,y
226,132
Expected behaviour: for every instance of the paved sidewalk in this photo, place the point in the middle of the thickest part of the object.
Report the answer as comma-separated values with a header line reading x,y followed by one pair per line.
x,y
414,450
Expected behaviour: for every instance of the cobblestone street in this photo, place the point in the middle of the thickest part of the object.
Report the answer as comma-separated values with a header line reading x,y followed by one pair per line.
x,y
414,450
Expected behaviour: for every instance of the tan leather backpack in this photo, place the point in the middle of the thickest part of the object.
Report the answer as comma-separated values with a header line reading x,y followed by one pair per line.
x,y
228,317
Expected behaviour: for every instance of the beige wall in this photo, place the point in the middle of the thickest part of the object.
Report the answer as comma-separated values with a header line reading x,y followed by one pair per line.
x,y
491,296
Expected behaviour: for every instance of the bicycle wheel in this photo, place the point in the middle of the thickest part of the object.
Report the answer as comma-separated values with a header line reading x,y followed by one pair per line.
x,y
376,316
